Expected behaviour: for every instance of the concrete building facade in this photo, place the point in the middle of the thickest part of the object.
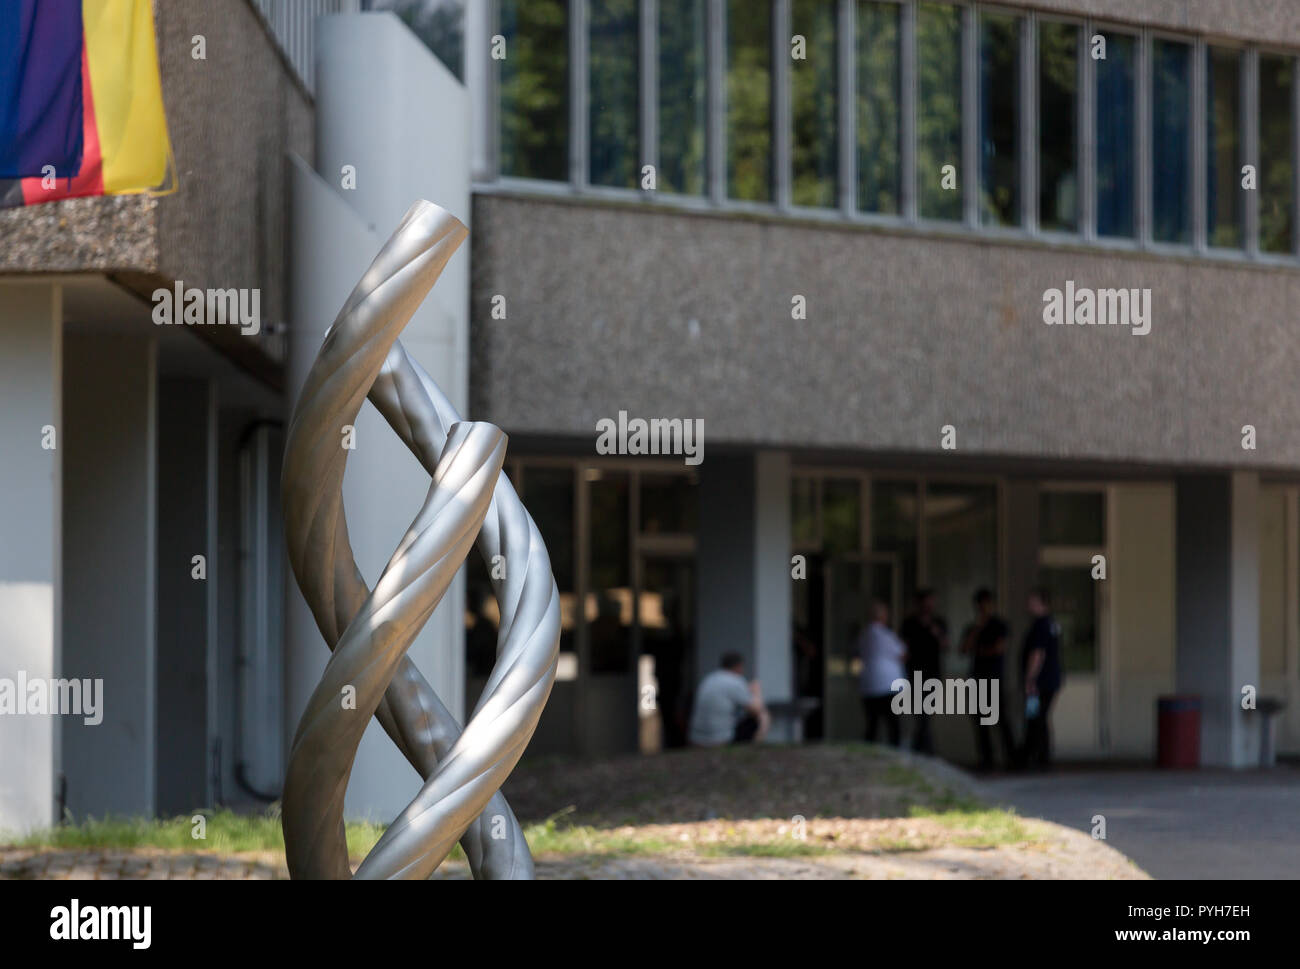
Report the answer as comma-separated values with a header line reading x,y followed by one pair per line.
x,y
826,231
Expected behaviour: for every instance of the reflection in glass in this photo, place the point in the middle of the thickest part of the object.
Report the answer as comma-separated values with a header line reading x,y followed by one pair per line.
x,y
938,110
1224,209
683,96
1171,173
669,504
1074,607
961,546
609,603
894,517
999,119
879,96
1058,126
547,493
815,105
1276,147
1115,134
803,511
749,100
535,89
439,23
1071,518
614,92
841,516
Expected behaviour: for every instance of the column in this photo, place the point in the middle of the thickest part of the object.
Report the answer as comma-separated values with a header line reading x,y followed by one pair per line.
x,y
743,558
109,568
1218,608
187,595
31,328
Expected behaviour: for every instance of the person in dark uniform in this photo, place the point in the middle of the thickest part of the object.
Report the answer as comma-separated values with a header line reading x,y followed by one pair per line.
x,y
985,640
1040,664
926,636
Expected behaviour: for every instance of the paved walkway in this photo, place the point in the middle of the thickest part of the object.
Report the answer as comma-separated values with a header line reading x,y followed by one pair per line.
x,y
1175,824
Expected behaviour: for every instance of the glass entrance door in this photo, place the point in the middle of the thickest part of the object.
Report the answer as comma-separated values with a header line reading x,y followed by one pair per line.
x,y
851,583
1077,721
667,653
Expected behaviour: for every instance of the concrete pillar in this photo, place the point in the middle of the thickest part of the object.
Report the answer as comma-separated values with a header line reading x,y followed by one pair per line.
x,y
109,568
743,563
187,606
31,373
1218,608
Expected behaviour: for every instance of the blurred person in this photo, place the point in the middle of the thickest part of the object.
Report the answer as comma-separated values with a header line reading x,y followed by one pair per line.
x,y
925,635
1040,664
883,655
985,641
727,710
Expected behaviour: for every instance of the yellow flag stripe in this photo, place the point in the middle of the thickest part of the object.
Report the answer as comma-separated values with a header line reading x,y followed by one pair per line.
x,y
122,57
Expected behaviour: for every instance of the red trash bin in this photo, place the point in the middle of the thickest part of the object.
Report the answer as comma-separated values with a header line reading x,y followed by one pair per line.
x,y
1178,729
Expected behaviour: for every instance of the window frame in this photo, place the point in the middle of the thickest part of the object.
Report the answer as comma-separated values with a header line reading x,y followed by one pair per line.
x,y
488,179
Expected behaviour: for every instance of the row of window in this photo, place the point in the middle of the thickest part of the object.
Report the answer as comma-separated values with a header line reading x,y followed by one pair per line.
x,y
922,111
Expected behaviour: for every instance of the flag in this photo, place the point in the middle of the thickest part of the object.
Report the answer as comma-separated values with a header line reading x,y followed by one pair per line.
x,y
81,108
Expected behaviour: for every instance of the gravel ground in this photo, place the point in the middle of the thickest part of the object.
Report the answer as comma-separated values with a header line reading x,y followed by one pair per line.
x,y
814,812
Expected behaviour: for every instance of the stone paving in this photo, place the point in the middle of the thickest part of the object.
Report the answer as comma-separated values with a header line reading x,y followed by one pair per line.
x,y
1202,824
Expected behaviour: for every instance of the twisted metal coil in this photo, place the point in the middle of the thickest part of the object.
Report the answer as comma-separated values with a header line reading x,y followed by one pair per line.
x,y
369,631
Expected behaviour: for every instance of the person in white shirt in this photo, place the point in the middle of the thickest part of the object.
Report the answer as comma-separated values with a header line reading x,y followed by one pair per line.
x,y
728,710
883,656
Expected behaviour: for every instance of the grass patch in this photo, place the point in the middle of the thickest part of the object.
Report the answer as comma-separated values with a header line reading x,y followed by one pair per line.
x,y
549,838
978,827
227,833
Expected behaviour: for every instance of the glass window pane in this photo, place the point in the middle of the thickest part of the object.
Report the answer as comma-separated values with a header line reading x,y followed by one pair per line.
x,y
535,89
614,94
749,100
609,603
815,105
1116,127
803,511
1224,209
1276,149
879,99
938,110
439,23
841,516
1074,607
547,493
669,504
1058,126
961,547
999,119
1071,518
683,96
894,516
1171,174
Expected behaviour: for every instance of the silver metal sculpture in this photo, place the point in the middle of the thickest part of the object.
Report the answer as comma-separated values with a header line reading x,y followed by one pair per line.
x,y
369,631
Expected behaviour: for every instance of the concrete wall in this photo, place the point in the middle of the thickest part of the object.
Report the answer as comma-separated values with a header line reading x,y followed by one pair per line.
x,y
233,119
31,514
109,574
618,307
